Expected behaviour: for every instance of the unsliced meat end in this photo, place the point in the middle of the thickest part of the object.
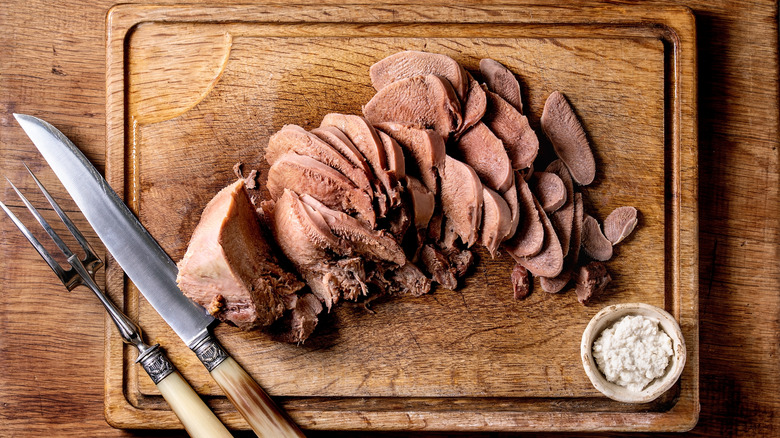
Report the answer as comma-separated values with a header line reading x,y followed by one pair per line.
x,y
620,223
501,81
521,282
411,63
564,130
592,279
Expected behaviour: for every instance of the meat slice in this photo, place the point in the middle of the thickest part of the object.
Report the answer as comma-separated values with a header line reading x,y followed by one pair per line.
x,y
501,81
423,202
529,238
474,105
438,266
293,138
301,319
395,156
513,129
594,243
365,138
425,149
521,281
496,220
481,149
428,101
461,200
303,174
592,279
571,254
563,218
619,224
564,130
510,196
336,138
414,63
549,190
549,261
230,268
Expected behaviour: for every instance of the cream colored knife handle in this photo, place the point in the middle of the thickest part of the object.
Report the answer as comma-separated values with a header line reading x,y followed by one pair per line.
x,y
255,405
197,418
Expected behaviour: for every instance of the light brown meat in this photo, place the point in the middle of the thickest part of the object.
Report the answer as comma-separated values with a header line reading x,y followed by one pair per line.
x,y
529,238
563,218
496,220
230,268
293,138
620,223
594,243
513,129
425,149
473,106
461,200
592,279
438,267
410,63
481,149
549,261
395,156
572,254
428,101
336,138
510,196
423,202
303,174
300,320
565,132
501,81
549,190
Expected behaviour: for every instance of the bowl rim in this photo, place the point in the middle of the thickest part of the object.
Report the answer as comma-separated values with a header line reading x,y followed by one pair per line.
x,y
606,318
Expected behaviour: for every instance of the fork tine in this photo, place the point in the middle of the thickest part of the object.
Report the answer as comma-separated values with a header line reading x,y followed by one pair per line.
x,y
49,230
92,261
37,245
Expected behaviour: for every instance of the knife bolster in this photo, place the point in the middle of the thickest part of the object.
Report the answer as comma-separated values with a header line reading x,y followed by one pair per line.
x,y
208,350
155,363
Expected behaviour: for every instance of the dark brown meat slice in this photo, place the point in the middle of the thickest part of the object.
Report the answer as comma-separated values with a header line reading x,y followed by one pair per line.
x,y
428,101
425,148
521,281
510,196
375,245
496,220
592,279
502,82
300,321
423,202
293,138
564,130
513,129
408,279
460,259
594,243
474,106
620,223
549,261
395,156
438,267
365,138
303,174
229,267
563,218
529,238
413,63
557,283
549,190
481,149
461,200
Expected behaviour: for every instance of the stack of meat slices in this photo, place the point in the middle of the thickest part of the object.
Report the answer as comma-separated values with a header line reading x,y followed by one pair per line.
x,y
395,199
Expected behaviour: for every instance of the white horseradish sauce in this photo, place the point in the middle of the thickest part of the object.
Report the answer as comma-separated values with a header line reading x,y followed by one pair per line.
x,y
633,352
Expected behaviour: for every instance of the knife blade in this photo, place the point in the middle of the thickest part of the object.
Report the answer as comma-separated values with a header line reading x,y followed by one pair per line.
x,y
154,274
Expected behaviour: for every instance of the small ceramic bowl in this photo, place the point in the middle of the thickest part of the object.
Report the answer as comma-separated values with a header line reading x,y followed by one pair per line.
x,y
608,316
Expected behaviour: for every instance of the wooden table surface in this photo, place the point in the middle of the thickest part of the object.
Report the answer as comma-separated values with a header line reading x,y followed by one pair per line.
x,y
52,64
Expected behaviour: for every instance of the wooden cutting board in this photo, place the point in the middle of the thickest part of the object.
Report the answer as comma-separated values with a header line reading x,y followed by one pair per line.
x,y
193,90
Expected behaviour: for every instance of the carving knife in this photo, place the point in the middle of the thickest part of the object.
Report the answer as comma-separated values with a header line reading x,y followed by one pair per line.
x,y
154,274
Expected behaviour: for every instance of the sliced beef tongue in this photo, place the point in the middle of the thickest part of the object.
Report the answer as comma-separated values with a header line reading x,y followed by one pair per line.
x,y
428,101
513,129
620,223
336,138
574,241
549,190
564,130
438,266
510,196
230,268
592,279
395,156
411,63
461,200
501,81
473,106
521,281
481,149
549,261
529,238
303,174
594,243
424,149
496,220
423,202
300,321
563,218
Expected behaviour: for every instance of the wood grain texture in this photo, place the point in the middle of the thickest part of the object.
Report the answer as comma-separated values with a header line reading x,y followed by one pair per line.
x,y
53,67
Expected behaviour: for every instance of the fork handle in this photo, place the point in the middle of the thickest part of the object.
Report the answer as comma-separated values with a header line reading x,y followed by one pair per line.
x,y
198,420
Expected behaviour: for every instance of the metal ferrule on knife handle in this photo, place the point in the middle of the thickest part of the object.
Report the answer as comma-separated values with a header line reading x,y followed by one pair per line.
x,y
262,414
